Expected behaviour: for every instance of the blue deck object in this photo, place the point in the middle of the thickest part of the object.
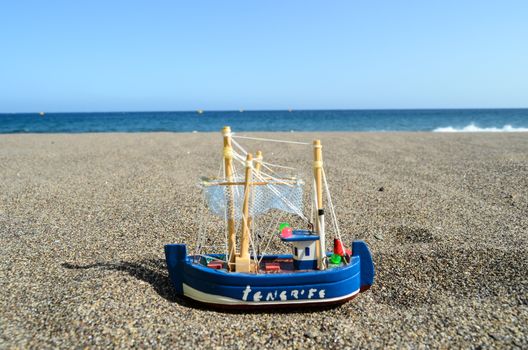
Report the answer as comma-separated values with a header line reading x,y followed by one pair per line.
x,y
301,235
249,290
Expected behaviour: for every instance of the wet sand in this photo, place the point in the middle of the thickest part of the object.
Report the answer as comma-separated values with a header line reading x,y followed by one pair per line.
x,y
83,221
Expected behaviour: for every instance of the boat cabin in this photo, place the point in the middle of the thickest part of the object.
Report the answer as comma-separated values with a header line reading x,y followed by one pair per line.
x,y
304,245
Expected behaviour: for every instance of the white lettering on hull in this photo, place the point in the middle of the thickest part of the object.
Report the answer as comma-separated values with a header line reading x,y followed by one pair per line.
x,y
223,300
245,293
283,295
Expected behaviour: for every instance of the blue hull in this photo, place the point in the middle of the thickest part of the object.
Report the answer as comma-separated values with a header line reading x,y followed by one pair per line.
x,y
223,289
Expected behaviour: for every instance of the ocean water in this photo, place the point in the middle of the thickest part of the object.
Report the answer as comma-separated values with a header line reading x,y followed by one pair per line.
x,y
432,120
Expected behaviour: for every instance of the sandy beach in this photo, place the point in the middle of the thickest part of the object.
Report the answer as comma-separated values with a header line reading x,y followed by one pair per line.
x,y
84,217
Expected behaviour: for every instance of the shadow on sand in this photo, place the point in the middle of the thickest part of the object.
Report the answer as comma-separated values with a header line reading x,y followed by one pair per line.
x,y
154,272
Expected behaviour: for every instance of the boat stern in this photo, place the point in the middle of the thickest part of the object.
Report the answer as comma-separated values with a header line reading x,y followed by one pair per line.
x,y
360,249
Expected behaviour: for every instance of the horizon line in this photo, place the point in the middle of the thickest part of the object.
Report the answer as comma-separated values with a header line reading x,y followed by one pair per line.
x,y
271,110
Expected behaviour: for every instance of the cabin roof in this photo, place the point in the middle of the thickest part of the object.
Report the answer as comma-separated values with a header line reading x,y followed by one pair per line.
x,y
301,235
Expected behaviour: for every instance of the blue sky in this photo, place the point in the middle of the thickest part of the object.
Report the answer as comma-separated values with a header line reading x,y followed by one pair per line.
x,y
276,54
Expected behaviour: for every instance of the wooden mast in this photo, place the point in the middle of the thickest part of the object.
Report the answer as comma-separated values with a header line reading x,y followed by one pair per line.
x,y
319,222
243,261
257,164
228,172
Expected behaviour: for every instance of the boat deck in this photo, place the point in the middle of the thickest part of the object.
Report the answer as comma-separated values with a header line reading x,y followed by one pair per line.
x,y
268,265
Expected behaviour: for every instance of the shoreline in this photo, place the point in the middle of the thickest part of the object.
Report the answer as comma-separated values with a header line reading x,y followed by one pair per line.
x,y
375,132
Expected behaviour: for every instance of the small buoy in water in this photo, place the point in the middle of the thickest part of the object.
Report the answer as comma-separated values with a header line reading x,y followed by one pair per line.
x,y
41,114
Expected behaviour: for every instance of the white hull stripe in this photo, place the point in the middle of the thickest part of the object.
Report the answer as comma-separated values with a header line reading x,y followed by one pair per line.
x,y
197,295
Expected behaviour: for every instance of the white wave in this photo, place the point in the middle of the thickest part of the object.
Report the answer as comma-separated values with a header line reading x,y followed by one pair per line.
x,y
473,128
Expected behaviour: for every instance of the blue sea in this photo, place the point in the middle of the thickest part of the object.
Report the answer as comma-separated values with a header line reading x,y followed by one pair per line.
x,y
428,120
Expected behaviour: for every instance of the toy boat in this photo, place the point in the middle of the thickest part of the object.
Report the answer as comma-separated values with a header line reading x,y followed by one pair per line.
x,y
241,274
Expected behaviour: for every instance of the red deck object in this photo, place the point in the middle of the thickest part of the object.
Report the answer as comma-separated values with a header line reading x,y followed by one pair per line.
x,y
339,249
286,232
218,265
272,267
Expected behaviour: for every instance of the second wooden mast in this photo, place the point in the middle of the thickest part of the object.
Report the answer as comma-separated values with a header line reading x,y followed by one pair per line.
x,y
228,173
319,221
238,262
242,261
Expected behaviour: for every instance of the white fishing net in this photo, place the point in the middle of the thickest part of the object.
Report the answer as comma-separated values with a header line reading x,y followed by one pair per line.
x,y
287,197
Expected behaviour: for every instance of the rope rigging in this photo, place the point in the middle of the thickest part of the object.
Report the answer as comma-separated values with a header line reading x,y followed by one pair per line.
x,y
271,192
268,140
